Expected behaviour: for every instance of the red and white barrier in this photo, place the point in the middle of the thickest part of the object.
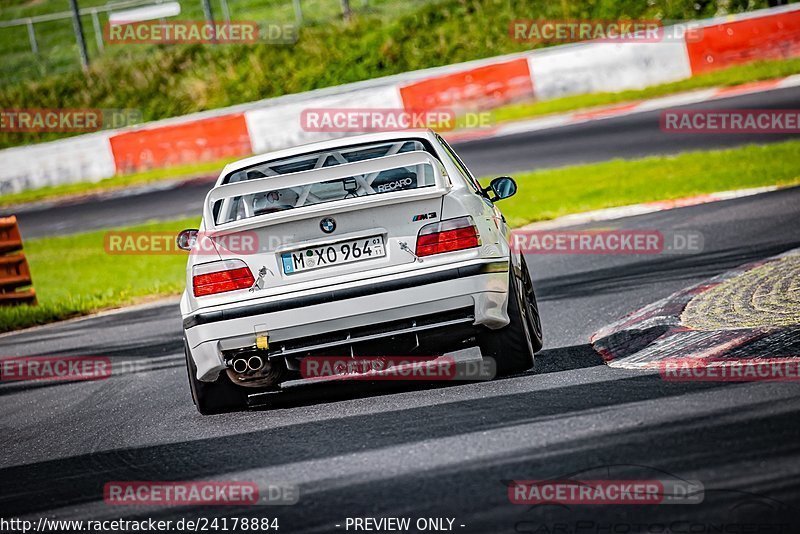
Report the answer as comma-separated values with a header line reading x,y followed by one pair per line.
x,y
578,68
277,127
85,158
483,87
592,66
767,34
207,139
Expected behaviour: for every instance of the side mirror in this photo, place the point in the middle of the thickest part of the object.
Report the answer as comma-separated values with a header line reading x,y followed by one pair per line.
x,y
500,188
186,239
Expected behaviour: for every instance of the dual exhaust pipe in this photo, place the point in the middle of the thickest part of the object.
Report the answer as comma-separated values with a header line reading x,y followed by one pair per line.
x,y
245,365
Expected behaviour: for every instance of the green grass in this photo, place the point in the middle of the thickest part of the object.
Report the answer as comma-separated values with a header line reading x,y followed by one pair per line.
x,y
74,276
58,51
387,37
752,72
552,193
116,182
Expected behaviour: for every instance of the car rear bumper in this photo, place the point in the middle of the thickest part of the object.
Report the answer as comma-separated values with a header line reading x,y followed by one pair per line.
x,y
478,285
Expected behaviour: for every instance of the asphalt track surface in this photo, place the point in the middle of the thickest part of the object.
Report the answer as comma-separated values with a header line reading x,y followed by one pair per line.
x,y
630,136
391,450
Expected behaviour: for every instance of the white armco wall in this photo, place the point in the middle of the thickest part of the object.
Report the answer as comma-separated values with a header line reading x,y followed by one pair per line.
x,y
275,123
595,68
85,158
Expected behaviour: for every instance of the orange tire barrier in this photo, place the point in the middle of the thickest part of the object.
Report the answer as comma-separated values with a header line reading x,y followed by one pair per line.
x,y
14,270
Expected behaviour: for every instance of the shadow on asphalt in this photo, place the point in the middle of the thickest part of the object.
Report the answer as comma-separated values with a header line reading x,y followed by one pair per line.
x,y
547,361
566,359
79,479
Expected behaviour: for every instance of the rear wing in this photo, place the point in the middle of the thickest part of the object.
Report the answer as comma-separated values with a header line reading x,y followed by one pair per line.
x,y
363,172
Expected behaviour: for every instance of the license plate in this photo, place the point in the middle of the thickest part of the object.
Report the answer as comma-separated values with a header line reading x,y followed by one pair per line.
x,y
340,253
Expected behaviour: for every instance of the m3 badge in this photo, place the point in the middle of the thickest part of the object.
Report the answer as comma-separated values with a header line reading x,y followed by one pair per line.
x,y
423,216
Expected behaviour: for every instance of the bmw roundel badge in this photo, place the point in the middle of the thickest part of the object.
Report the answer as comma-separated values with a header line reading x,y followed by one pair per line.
x,y
328,225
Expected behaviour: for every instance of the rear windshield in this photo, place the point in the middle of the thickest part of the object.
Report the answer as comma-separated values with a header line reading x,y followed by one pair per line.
x,y
328,158
277,200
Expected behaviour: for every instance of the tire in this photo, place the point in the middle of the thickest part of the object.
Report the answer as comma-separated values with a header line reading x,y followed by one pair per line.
x,y
532,310
514,345
215,397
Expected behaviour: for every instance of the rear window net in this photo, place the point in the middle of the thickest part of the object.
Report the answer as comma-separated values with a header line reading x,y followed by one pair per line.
x,y
416,173
360,185
326,158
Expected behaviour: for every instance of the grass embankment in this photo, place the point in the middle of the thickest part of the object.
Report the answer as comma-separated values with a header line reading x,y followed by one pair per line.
x,y
58,52
385,38
73,275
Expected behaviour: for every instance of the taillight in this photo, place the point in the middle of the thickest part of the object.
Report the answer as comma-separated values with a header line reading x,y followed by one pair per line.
x,y
447,236
221,276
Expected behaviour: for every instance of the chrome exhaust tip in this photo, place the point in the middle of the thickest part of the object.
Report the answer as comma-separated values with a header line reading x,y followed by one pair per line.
x,y
240,365
255,363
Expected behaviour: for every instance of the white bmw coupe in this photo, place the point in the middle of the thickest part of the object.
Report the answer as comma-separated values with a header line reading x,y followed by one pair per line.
x,y
380,244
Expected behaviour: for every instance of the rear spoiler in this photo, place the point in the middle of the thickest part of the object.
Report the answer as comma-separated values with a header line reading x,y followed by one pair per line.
x,y
366,170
